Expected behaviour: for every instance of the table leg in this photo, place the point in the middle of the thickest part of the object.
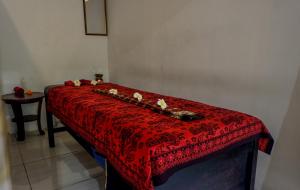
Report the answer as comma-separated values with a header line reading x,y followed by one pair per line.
x,y
17,109
39,118
50,129
251,166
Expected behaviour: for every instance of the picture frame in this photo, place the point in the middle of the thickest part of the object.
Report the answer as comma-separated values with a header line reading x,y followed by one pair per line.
x,y
95,17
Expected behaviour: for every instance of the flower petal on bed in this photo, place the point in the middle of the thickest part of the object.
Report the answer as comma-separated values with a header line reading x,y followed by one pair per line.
x,y
113,91
161,102
93,82
138,96
77,82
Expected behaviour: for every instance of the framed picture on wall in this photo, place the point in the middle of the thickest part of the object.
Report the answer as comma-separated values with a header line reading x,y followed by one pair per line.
x,y
95,17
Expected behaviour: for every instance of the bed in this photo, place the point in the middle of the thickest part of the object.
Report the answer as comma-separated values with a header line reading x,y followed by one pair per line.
x,y
146,149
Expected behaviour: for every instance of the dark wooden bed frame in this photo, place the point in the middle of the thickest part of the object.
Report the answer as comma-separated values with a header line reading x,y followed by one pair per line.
x,y
232,168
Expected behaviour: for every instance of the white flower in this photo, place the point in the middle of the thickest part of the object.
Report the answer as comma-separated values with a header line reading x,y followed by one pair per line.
x,y
77,82
138,96
113,91
93,82
162,104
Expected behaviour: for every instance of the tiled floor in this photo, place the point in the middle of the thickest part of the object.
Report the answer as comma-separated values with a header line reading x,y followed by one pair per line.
x,y
66,167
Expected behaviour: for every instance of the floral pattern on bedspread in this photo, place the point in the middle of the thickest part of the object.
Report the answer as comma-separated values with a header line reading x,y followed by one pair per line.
x,y
140,143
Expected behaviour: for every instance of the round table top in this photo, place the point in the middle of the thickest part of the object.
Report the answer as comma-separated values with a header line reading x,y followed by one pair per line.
x,y
12,98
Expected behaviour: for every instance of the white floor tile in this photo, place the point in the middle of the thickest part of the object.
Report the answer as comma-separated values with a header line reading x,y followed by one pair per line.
x,y
14,155
90,184
37,148
19,178
62,171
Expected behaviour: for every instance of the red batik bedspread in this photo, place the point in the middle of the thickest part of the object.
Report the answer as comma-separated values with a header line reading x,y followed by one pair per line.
x,y
141,144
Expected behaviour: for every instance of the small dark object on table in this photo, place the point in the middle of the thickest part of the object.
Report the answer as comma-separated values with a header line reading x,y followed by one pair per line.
x,y
98,76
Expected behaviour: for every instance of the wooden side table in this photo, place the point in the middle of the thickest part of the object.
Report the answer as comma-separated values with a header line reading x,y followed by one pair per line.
x,y
16,104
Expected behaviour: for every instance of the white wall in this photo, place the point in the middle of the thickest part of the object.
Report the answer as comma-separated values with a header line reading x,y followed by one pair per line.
x,y
43,42
284,171
238,54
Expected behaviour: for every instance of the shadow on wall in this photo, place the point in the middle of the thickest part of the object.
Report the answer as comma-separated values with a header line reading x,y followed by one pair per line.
x,y
284,170
16,62
43,42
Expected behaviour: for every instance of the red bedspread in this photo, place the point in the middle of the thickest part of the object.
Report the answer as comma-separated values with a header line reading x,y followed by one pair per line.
x,y
141,144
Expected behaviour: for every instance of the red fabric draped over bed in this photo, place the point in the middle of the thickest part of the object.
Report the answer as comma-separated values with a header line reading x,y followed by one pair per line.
x,y
140,143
